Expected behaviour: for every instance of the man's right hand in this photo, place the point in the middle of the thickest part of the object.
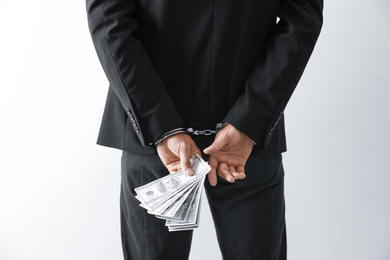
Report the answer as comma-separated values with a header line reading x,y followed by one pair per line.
x,y
175,152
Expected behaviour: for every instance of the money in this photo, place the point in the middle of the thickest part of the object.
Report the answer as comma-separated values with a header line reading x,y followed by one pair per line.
x,y
176,197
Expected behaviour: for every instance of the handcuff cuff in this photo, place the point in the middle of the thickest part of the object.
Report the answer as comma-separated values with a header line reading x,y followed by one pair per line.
x,y
191,131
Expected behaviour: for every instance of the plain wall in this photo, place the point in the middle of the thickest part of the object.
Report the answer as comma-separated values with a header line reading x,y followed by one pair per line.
x,y
59,191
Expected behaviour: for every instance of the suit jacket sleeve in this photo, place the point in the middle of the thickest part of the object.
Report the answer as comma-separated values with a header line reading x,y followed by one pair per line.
x,y
129,69
272,80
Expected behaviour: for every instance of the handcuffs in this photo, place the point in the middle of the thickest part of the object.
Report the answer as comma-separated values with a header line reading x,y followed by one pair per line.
x,y
191,131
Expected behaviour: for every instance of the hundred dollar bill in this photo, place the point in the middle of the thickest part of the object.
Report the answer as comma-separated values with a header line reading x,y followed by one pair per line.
x,y
183,211
171,205
157,192
176,197
192,219
175,210
160,204
187,226
184,225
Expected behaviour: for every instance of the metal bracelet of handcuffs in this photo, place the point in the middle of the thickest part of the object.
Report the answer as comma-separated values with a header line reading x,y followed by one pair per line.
x,y
191,131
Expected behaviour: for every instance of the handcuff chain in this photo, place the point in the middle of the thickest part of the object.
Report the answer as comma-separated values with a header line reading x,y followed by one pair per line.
x,y
204,132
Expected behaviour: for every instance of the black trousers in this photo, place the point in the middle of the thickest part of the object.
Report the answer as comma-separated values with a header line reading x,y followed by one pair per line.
x,y
249,215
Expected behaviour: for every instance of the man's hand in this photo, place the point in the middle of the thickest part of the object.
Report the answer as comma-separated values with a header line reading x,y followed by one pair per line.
x,y
175,152
228,154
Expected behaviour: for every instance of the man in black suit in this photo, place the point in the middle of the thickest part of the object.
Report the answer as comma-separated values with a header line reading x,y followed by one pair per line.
x,y
174,65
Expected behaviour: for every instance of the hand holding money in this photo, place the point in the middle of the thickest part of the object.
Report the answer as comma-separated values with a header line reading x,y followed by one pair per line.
x,y
175,152
228,154
176,197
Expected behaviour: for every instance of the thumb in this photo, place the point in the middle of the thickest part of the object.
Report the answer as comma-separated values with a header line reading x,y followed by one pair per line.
x,y
215,146
185,162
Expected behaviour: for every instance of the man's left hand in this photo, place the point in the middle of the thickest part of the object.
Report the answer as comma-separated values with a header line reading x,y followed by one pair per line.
x,y
228,154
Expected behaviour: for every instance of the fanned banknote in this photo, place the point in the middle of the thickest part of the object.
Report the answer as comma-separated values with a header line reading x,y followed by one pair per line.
x,y
176,197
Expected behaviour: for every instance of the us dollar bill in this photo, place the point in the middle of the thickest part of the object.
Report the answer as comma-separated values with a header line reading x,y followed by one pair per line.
x,y
171,205
157,192
193,214
176,198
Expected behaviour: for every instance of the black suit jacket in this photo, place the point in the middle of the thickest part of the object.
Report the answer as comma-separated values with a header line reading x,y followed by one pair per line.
x,y
195,63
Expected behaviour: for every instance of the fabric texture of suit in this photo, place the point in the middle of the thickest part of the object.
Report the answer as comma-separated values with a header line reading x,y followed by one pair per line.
x,y
174,63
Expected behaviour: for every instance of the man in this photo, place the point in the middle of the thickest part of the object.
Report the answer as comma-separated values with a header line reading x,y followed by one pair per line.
x,y
174,65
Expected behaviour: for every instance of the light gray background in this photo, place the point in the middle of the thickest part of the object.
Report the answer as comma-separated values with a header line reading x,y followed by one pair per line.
x,y
59,191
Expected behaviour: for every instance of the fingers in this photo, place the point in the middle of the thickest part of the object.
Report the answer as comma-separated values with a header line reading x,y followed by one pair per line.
x,y
241,171
212,175
178,149
215,146
229,173
196,151
172,168
185,162
185,155
236,172
223,171
233,172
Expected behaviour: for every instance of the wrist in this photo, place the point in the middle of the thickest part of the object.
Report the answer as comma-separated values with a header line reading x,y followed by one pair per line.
x,y
226,124
171,133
